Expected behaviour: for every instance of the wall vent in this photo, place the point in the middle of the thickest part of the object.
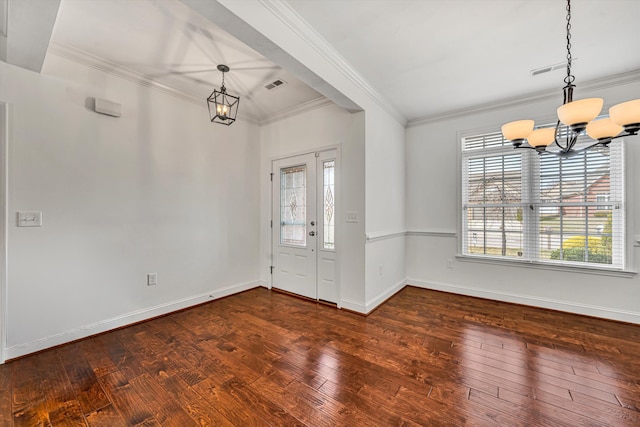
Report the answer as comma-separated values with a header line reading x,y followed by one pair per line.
x,y
276,83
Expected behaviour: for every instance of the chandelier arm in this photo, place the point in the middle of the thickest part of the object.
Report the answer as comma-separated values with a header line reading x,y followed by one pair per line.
x,y
555,139
572,151
623,135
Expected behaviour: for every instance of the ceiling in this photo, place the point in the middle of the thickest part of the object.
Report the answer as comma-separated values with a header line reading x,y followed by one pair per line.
x,y
166,42
425,57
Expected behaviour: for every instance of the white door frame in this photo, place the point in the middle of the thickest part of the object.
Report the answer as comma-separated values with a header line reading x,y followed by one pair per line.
x,y
4,170
338,211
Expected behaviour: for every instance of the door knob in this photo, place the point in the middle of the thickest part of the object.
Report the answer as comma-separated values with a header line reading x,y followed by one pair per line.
x,y
313,223
312,233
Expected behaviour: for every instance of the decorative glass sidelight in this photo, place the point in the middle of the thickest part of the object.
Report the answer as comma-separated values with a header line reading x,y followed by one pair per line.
x,y
328,210
293,205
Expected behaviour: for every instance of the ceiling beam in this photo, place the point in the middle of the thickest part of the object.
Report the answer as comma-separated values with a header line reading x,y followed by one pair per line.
x,y
29,28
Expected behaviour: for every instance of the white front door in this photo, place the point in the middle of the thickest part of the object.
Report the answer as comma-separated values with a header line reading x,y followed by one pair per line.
x,y
303,235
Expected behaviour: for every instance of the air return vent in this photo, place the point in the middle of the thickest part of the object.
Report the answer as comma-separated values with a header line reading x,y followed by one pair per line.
x,y
549,68
276,83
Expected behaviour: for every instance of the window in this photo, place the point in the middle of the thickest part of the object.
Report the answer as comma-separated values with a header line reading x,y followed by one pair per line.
x,y
328,204
293,208
548,208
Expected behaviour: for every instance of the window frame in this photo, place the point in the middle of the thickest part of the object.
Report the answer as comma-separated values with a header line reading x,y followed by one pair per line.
x,y
530,229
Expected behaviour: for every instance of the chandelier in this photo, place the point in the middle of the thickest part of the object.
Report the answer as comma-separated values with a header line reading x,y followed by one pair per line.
x,y
223,107
576,117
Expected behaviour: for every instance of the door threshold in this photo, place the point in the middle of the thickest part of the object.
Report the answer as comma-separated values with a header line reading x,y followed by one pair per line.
x,y
302,297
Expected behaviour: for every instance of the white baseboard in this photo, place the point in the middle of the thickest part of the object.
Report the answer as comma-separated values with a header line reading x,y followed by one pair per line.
x,y
124,320
553,304
356,306
373,303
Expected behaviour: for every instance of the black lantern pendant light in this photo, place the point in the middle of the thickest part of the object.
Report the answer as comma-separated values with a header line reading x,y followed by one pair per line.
x,y
223,107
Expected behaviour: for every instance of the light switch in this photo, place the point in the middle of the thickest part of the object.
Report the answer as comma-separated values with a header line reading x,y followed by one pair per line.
x,y
352,216
29,219
152,279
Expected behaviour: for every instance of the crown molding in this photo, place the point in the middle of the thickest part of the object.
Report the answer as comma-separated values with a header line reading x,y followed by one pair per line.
x,y
597,84
81,57
296,110
289,17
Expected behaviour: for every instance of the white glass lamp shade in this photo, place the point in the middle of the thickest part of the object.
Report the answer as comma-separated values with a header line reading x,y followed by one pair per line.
x,y
603,129
519,129
581,111
626,113
542,137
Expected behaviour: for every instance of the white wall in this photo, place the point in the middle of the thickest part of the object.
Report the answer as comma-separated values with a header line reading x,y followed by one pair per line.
x,y
328,126
432,207
385,207
3,225
159,189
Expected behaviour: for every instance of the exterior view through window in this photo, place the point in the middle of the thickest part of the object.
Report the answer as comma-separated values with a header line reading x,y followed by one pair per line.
x,y
550,209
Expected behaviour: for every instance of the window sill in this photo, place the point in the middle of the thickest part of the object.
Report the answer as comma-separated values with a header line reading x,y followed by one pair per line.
x,y
545,266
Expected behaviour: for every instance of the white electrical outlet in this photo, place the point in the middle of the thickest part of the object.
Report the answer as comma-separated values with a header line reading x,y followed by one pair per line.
x,y
380,269
152,279
449,263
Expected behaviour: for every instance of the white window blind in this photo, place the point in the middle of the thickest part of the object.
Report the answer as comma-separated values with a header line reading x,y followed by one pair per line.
x,y
548,208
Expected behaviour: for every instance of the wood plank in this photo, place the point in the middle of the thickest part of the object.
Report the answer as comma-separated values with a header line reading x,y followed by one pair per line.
x,y
164,408
105,417
126,400
231,409
68,414
83,379
193,404
6,418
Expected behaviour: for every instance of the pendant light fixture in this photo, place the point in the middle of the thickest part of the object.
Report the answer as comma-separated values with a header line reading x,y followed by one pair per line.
x,y
223,107
576,117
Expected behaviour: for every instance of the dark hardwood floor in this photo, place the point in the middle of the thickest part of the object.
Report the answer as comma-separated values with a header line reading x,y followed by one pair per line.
x,y
263,358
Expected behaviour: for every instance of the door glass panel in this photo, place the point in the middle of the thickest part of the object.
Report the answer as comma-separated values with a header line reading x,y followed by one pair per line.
x,y
328,204
293,205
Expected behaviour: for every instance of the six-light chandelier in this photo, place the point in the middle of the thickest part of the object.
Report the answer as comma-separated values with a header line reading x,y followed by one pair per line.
x,y
223,108
576,116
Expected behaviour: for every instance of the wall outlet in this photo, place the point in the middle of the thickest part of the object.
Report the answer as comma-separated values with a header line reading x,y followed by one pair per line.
x,y
152,279
380,269
449,263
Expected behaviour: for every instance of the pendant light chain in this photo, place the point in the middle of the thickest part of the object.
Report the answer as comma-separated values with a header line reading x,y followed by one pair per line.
x,y
570,77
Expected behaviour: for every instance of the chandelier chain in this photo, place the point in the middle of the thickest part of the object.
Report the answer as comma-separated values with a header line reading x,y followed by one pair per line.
x,y
570,77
